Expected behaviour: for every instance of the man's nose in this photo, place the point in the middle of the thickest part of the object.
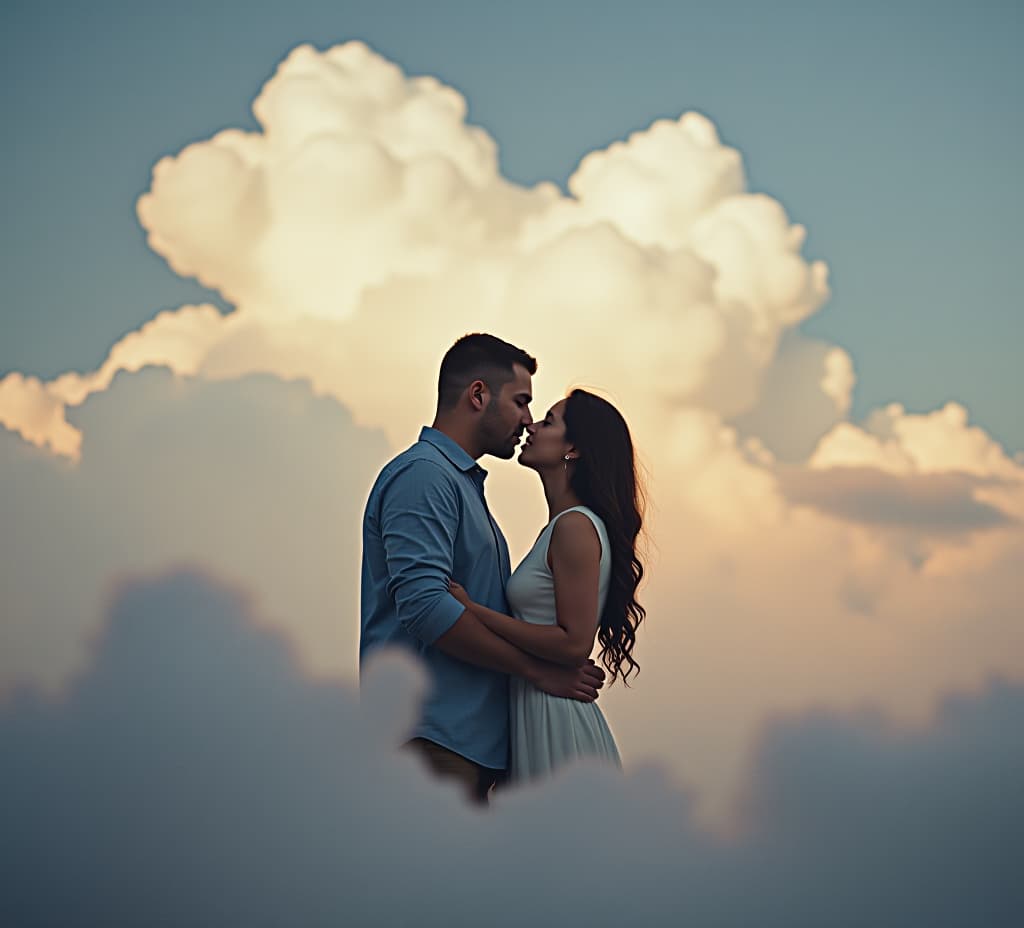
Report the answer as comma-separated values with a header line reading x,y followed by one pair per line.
x,y
530,427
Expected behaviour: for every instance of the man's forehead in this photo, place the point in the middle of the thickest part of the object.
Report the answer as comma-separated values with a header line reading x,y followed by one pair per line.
x,y
521,382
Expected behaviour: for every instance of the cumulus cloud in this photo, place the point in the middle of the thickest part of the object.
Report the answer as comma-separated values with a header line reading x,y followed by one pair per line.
x,y
255,478
28,406
37,410
789,417
901,442
359,174
177,339
940,447
367,201
195,775
360,230
943,503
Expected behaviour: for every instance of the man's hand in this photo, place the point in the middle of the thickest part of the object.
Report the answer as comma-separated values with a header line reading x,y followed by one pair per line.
x,y
579,683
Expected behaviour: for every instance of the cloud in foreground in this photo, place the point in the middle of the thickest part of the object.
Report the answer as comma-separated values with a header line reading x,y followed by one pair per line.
x,y
195,775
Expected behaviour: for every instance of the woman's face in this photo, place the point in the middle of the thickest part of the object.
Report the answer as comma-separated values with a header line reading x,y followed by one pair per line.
x,y
545,444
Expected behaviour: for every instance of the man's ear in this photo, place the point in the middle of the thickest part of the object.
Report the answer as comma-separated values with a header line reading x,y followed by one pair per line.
x,y
479,395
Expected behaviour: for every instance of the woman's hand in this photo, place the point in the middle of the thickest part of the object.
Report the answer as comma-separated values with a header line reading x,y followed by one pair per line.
x,y
459,592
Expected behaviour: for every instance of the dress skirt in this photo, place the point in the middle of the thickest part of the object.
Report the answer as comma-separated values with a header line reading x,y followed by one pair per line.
x,y
548,732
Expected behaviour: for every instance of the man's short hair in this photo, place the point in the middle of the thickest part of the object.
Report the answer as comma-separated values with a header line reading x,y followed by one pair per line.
x,y
478,357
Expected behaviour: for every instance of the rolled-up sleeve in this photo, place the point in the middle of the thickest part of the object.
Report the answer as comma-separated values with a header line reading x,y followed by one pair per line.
x,y
419,519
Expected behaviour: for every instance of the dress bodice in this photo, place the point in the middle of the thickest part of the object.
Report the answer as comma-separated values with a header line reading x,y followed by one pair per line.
x,y
531,588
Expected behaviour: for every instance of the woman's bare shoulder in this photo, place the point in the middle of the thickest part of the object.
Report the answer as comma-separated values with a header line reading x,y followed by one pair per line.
x,y
574,533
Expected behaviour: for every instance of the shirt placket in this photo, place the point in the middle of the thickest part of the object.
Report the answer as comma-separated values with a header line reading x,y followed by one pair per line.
x,y
478,479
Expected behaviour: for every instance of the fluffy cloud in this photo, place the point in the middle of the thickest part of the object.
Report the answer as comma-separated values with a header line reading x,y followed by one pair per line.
x,y
798,560
938,442
194,775
178,339
358,175
788,416
930,503
367,201
253,478
28,406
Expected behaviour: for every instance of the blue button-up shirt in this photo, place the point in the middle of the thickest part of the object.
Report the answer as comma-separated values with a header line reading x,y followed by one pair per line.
x,y
427,520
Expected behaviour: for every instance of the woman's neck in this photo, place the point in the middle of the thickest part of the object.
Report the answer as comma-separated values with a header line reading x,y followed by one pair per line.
x,y
557,492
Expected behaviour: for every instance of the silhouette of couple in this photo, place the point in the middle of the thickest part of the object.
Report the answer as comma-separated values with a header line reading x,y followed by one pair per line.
x,y
512,687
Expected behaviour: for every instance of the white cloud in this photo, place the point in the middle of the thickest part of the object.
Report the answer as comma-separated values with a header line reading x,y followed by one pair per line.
x,y
367,200
802,395
358,175
901,442
28,406
652,187
256,479
838,379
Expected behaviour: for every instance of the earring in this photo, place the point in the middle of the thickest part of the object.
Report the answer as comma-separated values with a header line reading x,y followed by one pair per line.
x,y
565,463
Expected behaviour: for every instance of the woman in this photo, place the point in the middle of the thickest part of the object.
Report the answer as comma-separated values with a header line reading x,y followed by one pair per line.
x,y
577,582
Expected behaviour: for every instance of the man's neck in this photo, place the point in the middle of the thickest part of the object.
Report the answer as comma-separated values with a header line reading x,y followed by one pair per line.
x,y
459,433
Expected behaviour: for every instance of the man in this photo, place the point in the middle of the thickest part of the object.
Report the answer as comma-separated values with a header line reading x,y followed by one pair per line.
x,y
427,521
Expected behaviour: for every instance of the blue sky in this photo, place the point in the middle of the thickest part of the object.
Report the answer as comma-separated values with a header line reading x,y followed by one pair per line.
x,y
892,131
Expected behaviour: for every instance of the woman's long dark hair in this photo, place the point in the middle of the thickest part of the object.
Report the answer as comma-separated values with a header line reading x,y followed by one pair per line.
x,y
605,480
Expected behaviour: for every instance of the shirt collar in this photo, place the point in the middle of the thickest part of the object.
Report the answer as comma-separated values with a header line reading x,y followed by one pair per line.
x,y
450,449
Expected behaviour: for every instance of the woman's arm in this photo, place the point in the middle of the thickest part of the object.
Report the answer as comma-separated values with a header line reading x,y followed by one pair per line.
x,y
548,642
575,558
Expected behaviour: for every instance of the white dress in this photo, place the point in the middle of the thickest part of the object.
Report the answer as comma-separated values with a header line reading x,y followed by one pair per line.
x,y
549,731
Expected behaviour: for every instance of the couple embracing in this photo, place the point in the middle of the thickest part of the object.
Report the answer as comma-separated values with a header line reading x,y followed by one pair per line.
x,y
512,688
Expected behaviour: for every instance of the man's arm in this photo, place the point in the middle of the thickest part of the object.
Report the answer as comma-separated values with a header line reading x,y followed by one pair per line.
x,y
575,557
419,520
470,641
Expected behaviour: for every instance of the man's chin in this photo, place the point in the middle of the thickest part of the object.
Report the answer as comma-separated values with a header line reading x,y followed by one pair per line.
x,y
506,451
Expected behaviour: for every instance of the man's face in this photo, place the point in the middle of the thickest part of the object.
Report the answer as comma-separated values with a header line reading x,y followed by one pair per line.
x,y
507,415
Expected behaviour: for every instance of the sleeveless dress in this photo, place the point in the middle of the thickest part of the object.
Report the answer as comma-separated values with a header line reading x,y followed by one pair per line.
x,y
549,731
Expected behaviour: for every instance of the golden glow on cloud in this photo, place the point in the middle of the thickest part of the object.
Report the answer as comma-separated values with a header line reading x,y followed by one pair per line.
x,y
893,440
29,407
366,226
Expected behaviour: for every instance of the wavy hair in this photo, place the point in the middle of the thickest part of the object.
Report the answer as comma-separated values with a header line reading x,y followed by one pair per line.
x,y
605,479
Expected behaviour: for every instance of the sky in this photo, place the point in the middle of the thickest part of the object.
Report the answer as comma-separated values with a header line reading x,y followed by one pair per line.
x,y
238,240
